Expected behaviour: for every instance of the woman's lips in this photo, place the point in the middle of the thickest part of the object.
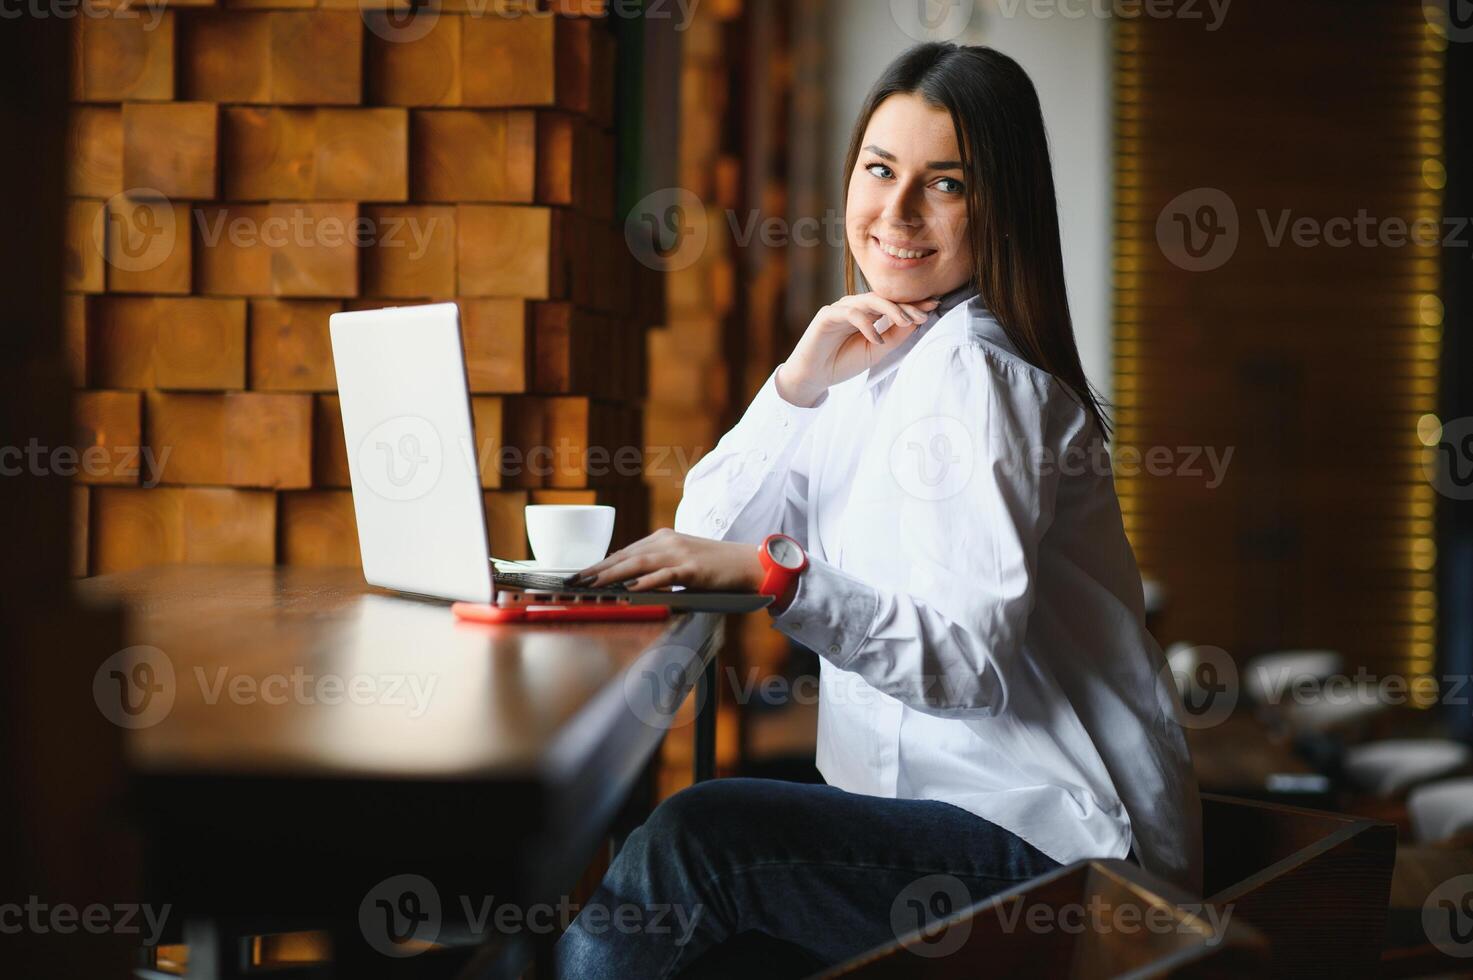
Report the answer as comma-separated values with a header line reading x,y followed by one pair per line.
x,y
900,256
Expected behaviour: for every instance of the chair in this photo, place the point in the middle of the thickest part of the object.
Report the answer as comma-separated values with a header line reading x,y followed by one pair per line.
x,y
1393,766
1315,883
1050,927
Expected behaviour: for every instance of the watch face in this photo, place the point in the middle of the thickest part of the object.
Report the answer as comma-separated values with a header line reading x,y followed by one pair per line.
x,y
785,552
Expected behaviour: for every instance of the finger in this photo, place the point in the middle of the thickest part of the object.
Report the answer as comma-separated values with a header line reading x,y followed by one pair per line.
x,y
897,315
627,569
864,322
638,547
920,314
670,575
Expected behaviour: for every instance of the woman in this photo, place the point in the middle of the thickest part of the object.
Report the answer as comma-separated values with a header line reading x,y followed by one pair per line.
x,y
991,705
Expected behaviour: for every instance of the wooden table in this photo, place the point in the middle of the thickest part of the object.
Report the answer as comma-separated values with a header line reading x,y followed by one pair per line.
x,y
312,737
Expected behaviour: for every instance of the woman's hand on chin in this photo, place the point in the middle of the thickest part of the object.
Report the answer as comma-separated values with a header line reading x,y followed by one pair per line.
x,y
668,557
845,338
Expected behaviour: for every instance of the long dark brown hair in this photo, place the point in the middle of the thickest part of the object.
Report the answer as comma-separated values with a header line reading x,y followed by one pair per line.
x,y
1012,214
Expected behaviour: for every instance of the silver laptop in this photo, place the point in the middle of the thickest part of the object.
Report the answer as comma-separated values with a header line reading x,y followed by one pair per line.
x,y
413,460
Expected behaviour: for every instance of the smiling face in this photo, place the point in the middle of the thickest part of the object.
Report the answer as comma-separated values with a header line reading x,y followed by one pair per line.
x,y
906,215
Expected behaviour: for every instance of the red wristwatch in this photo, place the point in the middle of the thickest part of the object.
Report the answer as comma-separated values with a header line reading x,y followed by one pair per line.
x,y
783,561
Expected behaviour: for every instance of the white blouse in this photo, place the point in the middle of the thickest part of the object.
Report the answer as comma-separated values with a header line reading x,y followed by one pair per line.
x,y
971,593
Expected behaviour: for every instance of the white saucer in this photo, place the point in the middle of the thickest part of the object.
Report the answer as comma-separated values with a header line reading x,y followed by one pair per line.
x,y
535,567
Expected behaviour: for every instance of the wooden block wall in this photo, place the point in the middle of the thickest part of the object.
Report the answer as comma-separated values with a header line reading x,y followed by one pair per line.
x,y
238,172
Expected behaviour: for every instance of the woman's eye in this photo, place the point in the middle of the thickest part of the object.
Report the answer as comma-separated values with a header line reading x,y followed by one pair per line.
x,y
880,166
950,185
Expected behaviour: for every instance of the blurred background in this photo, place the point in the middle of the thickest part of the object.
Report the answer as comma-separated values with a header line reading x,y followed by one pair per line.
x,y
638,206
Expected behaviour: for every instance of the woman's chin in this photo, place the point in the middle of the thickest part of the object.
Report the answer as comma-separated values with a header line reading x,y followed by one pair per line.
x,y
899,287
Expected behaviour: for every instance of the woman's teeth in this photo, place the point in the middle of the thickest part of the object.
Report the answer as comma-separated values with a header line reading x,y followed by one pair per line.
x,y
904,253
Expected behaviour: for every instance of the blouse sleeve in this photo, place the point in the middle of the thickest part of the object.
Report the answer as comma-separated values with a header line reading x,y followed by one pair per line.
x,y
953,644
755,482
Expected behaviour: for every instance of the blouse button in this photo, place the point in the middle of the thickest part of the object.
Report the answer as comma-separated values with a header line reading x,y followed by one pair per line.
x,y
720,522
833,648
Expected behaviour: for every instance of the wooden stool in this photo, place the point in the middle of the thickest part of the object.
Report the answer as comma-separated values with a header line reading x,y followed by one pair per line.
x,y
1315,883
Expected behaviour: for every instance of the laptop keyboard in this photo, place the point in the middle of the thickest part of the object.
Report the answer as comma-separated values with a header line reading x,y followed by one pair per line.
x,y
556,583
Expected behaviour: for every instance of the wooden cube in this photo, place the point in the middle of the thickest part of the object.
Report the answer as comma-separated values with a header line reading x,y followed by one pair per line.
x,y
95,151
362,155
511,251
74,310
231,257
411,252
169,148
244,439
526,460
318,256
290,347
529,60
465,155
199,342
125,59
506,523
108,436
270,153
414,71
134,527
497,335
287,57
489,422
329,447
317,57
318,528
185,342
288,154
225,56
563,336
86,270
148,245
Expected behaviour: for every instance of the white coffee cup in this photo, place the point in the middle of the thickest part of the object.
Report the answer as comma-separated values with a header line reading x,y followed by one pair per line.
x,y
569,535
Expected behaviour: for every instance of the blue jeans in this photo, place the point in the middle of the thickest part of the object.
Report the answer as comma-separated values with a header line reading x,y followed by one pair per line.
x,y
836,873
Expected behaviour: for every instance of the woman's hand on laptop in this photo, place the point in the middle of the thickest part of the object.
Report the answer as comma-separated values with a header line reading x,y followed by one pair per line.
x,y
668,558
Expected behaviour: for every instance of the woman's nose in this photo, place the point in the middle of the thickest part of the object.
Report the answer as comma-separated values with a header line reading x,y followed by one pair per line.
x,y
902,206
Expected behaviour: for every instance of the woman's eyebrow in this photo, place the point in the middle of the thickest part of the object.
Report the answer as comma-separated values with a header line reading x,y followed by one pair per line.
x,y
933,165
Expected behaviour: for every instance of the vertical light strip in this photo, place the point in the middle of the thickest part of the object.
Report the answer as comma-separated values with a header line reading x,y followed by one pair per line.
x,y
1426,311
1125,268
